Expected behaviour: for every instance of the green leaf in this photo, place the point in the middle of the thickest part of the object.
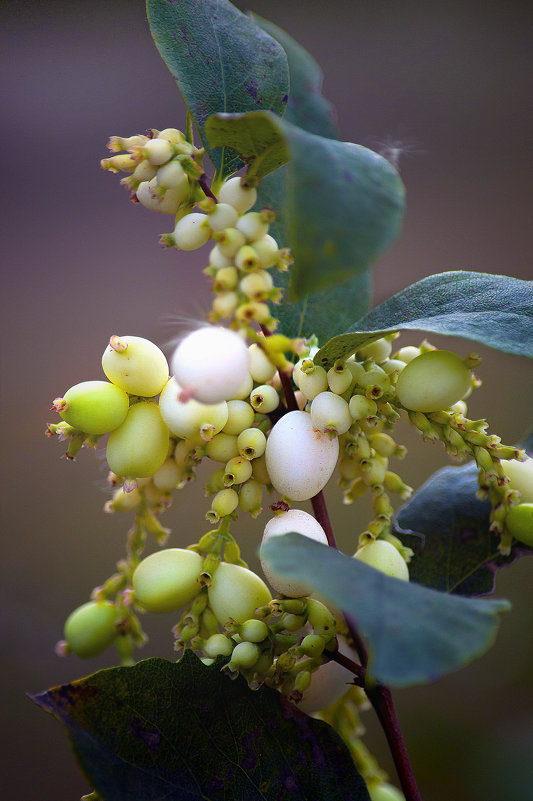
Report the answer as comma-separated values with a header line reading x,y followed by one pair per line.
x,y
221,61
343,203
321,313
254,136
458,552
184,731
307,108
415,634
493,309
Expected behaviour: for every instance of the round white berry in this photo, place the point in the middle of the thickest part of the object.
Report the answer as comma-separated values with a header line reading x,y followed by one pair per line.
x,y
192,231
211,363
240,197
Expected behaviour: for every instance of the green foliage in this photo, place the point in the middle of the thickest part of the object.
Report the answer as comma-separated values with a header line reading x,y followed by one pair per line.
x,y
343,203
185,731
306,107
493,309
221,61
415,634
457,551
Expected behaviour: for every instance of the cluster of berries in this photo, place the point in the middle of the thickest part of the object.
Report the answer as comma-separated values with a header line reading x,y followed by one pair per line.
x,y
269,423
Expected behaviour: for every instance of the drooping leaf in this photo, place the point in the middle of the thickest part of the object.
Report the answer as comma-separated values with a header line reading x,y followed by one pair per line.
x,y
457,552
343,203
493,309
415,634
307,107
254,136
184,731
321,313
222,62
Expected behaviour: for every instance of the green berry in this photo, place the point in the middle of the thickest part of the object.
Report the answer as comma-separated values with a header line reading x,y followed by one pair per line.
x,y
384,792
521,477
251,443
236,592
218,645
240,416
383,556
138,447
433,381
90,629
245,655
167,580
519,522
135,365
254,630
95,407
237,471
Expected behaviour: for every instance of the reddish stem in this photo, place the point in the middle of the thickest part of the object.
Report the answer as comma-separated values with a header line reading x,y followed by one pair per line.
x,y
381,699
206,188
378,694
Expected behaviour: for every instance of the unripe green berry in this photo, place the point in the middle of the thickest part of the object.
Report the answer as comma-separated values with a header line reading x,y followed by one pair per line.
x,y
407,354
218,645
236,592
167,580
251,443
383,444
226,278
168,476
229,241
149,194
259,471
379,350
242,198
95,407
246,259
250,496
158,151
243,392
362,407
244,656
217,259
90,629
433,381
223,216
375,382
224,503
519,522
237,471
135,365
339,379
264,399
253,226
330,414
257,285
222,448
383,556
240,417
393,367
173,176
254,630
224,306
261,368
192,231
138,447
267,251
192,419
313,382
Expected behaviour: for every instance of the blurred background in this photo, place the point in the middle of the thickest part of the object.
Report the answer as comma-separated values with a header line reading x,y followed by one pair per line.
x,y
447,84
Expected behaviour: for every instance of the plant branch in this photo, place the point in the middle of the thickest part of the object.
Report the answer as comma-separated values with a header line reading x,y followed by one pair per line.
x,y
202,180
381,699
358,670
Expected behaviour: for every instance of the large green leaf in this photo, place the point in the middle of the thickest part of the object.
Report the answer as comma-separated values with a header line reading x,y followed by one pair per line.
x,y
321,313
457,552
493,309
255,136
307,108
415,634
343,203
183,731
222,62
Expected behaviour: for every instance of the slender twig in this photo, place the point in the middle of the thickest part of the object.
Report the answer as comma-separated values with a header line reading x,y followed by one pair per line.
x,y
202,180
381,699
378,694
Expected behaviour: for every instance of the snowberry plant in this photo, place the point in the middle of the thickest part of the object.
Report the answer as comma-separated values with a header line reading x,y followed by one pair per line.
x,y
291,383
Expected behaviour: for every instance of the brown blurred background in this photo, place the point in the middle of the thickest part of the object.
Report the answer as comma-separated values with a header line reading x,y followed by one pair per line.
x,y
451,82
